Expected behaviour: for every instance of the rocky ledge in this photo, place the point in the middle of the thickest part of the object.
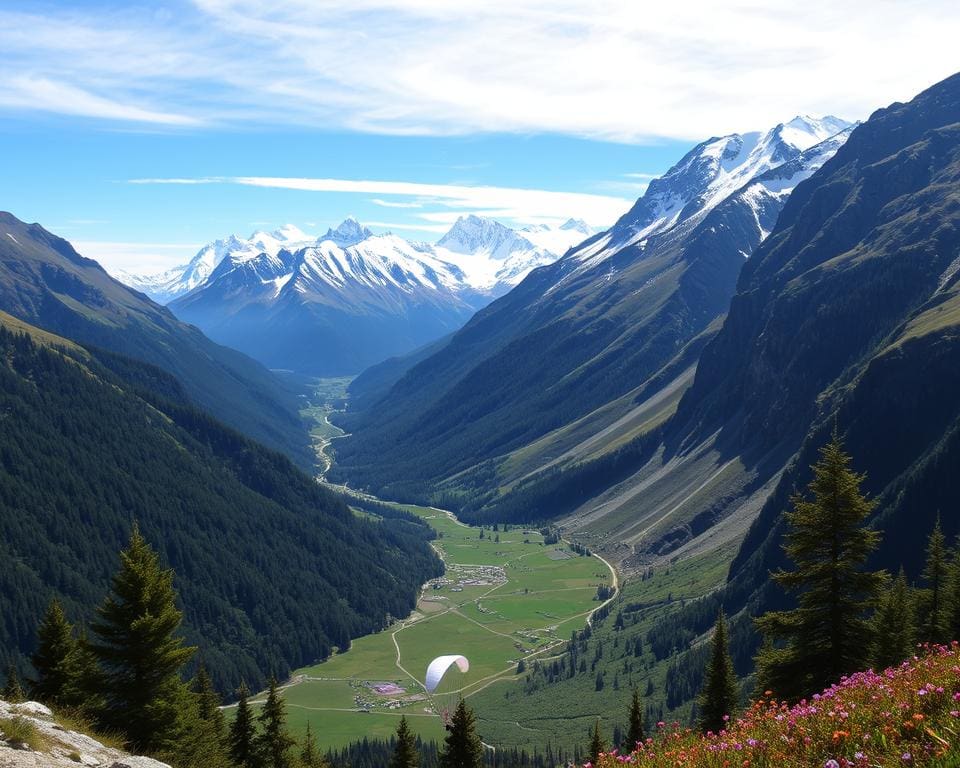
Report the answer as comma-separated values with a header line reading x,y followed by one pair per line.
x,y
30,737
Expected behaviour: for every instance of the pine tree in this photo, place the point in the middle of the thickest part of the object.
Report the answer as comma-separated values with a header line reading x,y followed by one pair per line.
x,y
462,747
55,658
827,634
86,693
208,700
635,732
274,742
596,743
12,690
140,651
242,734
894,628
310,756
720,695
405,754
935,612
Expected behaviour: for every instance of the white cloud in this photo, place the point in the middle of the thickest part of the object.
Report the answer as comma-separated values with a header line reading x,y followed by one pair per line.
x,y
44,95
512,204
137,258
620,69
394,203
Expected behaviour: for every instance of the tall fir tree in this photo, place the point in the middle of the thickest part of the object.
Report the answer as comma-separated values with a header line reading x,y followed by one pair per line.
x,y
310,756
243,732
635,732
827,635
894,625
55,659
596,743
273,745
142,655
935,613
462,747
208,701
405,754
720,696
12,690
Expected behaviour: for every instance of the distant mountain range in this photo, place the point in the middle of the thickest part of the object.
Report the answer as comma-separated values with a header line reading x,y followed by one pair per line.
x,y
339,303
563,366
45,282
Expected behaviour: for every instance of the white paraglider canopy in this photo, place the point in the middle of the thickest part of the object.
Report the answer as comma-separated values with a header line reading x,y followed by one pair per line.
x,y
439,666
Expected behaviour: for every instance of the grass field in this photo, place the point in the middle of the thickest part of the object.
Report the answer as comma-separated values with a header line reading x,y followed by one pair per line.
x,y
504,597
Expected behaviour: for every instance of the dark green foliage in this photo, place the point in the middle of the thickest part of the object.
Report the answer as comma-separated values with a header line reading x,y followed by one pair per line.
x,y
12,690
55,660
720,697
242,732
635,732
827,635
274,744
405,754
462,747
894,625
273,569
310,757
141,651
935,613
596,745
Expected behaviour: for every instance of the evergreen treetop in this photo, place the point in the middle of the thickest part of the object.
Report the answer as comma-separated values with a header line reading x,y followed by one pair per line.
x,y
55,658
827,635
936,613
720,696
462,746
596,743
274,743
12,690
894,625
242,732
139,649
405,755
635,732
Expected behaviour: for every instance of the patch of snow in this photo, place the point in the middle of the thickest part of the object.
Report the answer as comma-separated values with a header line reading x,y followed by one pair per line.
x,y
13,238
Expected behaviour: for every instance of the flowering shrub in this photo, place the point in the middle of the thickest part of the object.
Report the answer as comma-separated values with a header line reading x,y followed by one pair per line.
x,y
905,716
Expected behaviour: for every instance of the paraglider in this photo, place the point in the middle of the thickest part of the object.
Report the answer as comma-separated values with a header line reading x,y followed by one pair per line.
x,y
438,668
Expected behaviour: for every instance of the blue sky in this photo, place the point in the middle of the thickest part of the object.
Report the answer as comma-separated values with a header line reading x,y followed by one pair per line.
x,y
141,131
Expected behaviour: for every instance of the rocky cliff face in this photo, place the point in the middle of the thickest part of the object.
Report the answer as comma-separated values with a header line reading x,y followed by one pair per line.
x,y
55,746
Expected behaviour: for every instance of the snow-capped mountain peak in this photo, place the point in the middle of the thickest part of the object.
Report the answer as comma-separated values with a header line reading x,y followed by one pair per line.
x,y
472,234
348,232
577,225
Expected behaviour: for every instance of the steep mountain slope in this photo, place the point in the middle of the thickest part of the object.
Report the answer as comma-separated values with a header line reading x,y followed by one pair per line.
x,y
166,286
580,345
273,571
846,315
45,282
352,299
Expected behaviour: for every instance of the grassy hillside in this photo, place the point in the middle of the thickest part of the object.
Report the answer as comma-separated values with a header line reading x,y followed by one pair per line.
x,y
273,570
902,716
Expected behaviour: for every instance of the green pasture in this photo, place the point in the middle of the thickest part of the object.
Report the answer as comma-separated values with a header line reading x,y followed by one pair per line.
x,y
531,598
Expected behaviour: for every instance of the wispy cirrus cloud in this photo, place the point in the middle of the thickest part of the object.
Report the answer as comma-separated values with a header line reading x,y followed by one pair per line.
x,y
617,70
45,95
520,205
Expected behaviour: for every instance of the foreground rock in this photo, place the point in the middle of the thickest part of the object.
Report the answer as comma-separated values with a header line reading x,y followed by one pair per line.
x,y
55,746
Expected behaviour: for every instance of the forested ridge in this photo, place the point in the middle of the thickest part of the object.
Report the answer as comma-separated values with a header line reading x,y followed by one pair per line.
x,y
273,570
